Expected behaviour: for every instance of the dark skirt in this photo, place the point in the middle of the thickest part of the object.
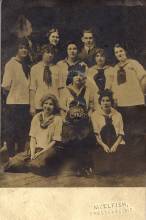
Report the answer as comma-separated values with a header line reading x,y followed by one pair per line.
x,y
42,165
79,141
75,131
110,163
17,127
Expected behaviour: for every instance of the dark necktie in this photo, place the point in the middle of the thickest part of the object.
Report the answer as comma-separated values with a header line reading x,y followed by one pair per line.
x,y
121,76
26,65
108,133
100,79
47,78
89,50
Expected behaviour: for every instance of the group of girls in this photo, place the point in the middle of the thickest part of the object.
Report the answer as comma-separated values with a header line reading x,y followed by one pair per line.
x,y
77,104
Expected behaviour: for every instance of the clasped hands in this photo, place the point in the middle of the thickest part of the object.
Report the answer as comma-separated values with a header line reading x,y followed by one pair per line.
x,y
113,149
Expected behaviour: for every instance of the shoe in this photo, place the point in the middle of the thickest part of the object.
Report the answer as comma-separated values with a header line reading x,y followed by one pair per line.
x,y
88,172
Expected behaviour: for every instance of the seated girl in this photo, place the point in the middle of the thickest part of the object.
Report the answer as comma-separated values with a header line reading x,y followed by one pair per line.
x,y
108,128
45,131
45,139
78,101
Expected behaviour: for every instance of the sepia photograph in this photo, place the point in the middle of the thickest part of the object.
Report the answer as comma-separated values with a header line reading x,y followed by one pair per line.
x,y
73,93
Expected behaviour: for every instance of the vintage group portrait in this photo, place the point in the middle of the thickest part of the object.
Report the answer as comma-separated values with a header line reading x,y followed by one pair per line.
x,y
73,94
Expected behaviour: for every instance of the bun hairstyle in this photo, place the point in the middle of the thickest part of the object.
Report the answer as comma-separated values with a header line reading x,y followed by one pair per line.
x,y
22,42
106,93
52,30
101,51
47,49
122,45
72,42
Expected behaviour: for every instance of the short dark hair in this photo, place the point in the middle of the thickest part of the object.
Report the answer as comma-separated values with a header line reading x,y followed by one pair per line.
x,y
88,31
106,93
22,42
54,100
122,45
101,51
72,42
52,30
47,49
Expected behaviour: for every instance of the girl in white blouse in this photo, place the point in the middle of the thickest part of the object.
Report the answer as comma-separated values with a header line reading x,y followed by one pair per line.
x,y
46,126
108,129
101,74
129,79
128,85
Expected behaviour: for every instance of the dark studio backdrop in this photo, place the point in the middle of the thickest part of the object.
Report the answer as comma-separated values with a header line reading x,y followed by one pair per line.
x,y
111,23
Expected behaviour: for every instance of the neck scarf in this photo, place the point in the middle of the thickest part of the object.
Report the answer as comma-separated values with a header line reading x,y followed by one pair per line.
x,y
45,123
108,133
26,65
100,79
47,78
78,99
77,109
121,74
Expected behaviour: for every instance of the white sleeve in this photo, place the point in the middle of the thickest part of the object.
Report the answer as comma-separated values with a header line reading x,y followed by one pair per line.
x,y
139,70
33,126
7,78
120,124
109,78
33,81
58,129
94,122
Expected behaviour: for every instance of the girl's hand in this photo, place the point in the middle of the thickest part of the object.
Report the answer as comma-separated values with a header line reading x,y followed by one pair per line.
x,y
32,110
35,156
32,157
106,148
113,149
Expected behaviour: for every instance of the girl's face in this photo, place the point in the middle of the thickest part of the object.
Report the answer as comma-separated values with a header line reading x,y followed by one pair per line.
x,y
47,57
106,103
120,54
48,107
79,80
54,38
22,51
100,59
72,51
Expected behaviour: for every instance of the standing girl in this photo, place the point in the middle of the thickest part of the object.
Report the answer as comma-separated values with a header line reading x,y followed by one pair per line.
x,y
44,79
101,74
70,64
15,83
128,89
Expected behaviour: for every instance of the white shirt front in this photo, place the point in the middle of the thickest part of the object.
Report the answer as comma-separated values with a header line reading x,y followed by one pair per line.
x,y
39,86
98,122
16,82
44,136
129,93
